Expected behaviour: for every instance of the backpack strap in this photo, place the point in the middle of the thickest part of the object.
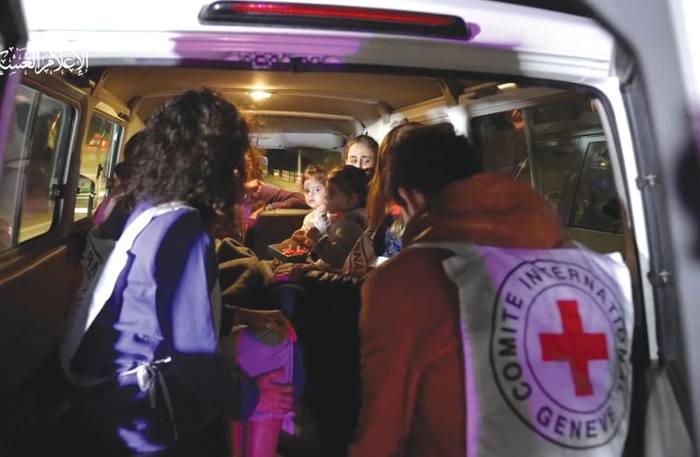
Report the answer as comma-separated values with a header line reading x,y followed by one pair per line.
x,y
104,262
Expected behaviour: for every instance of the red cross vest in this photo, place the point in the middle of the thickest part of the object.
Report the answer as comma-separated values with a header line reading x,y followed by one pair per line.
x,y
547,337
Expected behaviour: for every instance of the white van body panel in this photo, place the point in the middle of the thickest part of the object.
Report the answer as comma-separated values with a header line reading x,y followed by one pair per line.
x,y
161,34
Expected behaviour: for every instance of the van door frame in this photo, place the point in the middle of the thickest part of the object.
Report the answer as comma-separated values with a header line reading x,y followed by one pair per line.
x,y
652,86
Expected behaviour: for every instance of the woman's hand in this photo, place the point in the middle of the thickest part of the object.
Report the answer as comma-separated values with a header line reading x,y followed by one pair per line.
x,y
274,320
253,217
274,398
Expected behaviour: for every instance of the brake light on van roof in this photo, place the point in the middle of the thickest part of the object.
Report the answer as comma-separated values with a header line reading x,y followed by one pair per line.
x,y
334,17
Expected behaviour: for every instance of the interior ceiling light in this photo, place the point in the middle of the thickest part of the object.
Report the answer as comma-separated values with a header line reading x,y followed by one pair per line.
x,y
259,94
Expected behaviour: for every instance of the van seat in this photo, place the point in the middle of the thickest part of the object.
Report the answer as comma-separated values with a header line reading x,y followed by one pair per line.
x,y
273,226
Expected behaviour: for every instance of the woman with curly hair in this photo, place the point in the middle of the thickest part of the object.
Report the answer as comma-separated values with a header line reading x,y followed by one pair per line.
x,y
149,367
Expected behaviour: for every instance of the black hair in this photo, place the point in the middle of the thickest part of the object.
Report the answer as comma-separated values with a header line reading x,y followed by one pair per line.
x,y
121,170
192,150
428,158
350,180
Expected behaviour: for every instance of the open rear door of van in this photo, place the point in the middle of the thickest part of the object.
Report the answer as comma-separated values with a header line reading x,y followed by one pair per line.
x,y
659,73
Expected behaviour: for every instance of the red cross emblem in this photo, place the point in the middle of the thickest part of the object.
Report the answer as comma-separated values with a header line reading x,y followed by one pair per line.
x,y
574,346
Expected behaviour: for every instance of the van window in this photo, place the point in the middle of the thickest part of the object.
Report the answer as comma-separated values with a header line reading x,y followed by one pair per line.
x,y
559,147
97,158
37,146
556,166
596,206
286,166
503,135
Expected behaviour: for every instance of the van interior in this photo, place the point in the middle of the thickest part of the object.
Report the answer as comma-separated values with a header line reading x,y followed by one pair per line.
x,y
558,134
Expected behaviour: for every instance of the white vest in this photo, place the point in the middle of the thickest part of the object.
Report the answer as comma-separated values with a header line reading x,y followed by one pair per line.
x,y
547,337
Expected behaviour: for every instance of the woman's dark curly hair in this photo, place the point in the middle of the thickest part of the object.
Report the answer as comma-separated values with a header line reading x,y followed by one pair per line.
x,y
192,150
350,180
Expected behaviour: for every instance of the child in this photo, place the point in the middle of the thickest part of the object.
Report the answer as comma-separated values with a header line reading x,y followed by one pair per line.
x,y
346,198
314,187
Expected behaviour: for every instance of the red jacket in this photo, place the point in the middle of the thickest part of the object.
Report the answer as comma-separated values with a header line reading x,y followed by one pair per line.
x,y
412,364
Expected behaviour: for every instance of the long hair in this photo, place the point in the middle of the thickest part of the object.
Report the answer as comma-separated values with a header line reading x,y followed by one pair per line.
x,y
192,150
377,200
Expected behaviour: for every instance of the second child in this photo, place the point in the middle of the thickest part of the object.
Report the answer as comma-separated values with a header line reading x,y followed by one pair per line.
x,y
346,198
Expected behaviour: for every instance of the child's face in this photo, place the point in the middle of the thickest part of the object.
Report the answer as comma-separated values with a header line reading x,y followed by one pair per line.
x,y
337,201
314,192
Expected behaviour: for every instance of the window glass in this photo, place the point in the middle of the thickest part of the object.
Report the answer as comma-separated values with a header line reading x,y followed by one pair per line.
x,y
96,161
555,171
563,119
501,137
37,145
286,166
560,149
596,206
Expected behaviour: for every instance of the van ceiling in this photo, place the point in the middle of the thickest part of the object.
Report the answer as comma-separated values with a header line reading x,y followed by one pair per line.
x,y
330,102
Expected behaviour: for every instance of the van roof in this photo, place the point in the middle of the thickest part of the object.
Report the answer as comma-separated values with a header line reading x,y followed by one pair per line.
x,y
506,38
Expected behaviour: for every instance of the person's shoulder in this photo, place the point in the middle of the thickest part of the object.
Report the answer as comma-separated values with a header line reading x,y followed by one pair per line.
x,y
411,268
412,285
183,217
183,225
355,217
